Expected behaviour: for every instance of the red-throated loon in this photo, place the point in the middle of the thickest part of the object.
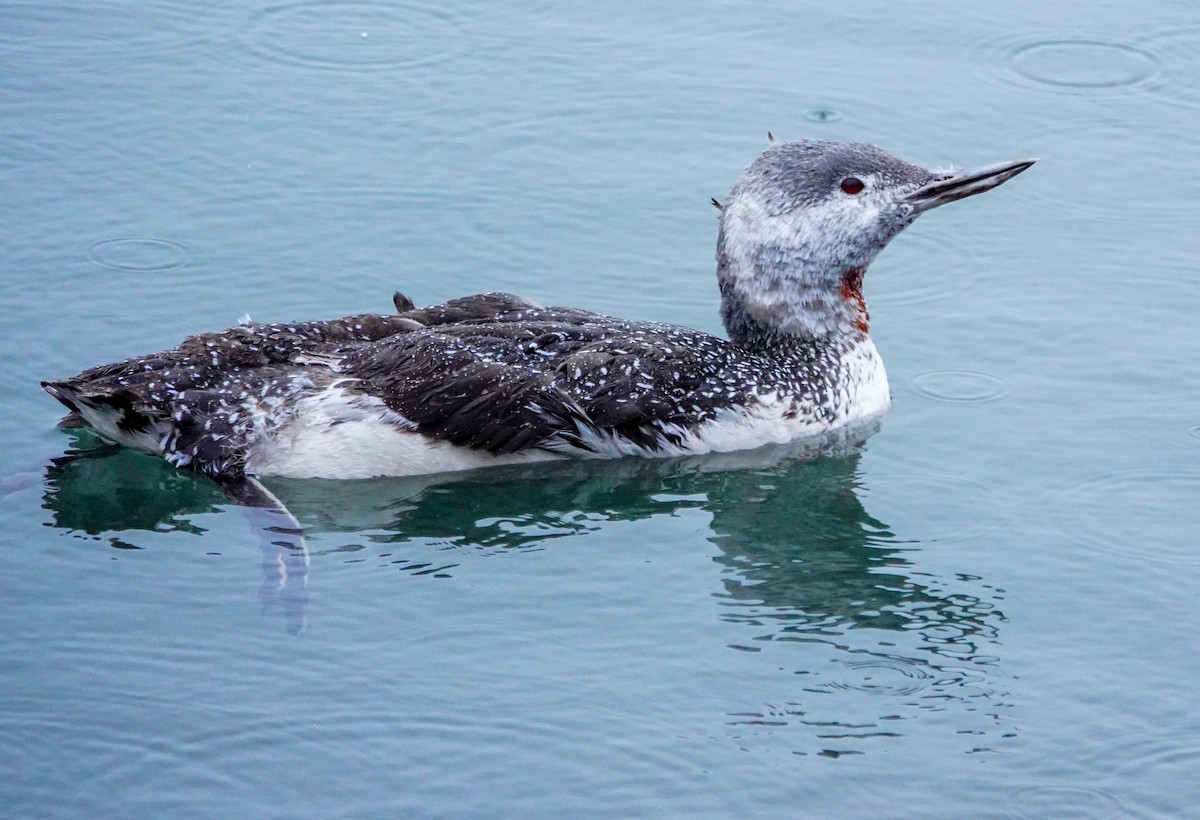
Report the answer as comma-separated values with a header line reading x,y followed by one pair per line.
x,y
495,378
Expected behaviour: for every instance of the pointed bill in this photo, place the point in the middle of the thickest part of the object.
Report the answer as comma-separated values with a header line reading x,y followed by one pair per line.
x,y
955,185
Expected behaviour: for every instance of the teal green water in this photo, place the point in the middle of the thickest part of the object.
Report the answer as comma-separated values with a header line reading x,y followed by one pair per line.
x,y
984,610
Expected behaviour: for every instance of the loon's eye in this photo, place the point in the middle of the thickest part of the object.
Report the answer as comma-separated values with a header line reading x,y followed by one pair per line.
x,y
852,185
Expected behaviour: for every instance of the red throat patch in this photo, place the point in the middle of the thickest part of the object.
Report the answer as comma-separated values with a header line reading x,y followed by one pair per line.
x,y
852,280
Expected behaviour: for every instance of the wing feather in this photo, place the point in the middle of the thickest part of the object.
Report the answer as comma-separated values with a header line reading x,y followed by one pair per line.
x,y
517,376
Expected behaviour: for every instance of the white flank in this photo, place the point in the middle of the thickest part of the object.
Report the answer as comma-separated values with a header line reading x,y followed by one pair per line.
x,y
336,434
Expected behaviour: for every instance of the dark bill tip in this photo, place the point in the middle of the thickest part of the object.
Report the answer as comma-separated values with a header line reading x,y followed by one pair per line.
x,y
956,185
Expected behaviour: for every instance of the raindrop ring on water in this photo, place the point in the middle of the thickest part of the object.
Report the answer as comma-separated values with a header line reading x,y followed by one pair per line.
x,y
1083,63
356,36
138,254
958,385
1065,801
885,676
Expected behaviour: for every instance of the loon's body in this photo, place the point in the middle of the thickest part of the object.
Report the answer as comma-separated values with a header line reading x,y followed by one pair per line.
x,y
495,378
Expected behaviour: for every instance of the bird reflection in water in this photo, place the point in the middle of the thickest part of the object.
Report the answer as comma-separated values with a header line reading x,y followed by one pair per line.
x,y
801,558
110,493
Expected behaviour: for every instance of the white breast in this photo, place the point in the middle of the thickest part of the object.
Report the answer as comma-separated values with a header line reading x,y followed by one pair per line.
x,y
867,391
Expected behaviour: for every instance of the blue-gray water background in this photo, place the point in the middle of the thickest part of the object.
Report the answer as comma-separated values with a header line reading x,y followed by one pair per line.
x,y
987,611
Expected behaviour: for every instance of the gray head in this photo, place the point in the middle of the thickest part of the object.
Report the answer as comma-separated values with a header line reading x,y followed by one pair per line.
x,y
804,221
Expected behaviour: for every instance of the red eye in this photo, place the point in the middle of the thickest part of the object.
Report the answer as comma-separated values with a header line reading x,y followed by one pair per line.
x,y
852,185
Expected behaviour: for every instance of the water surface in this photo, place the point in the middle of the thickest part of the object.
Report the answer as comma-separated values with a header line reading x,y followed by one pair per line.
x,y
980,610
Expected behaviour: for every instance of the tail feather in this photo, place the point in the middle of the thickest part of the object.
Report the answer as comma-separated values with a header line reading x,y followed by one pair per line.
x,y
63,393
115,414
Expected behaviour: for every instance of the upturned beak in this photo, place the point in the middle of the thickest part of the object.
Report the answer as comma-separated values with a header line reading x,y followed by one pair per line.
x,y
955,185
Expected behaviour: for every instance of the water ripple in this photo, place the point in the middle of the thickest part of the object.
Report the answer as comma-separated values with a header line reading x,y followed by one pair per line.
x,y
883,675
1065,801
85,34
1133,514
1177,51
1080,65
958,385
1083,63
1172,756
956,520
927,266
356,36
130,253
1161,64
1081,186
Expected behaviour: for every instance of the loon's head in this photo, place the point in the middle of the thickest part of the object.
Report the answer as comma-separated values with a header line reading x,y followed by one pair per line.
x,y
806,218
